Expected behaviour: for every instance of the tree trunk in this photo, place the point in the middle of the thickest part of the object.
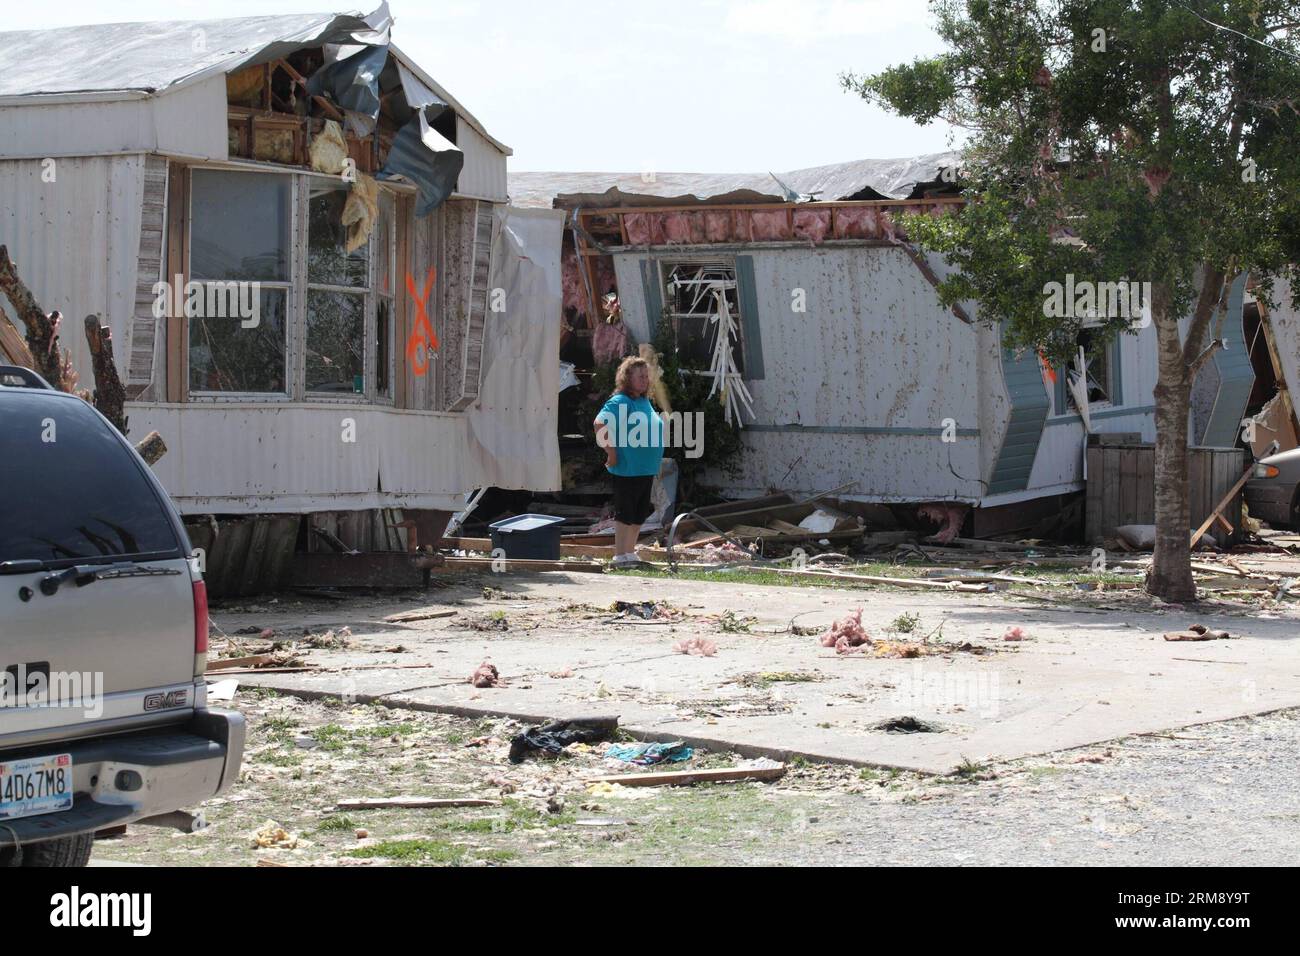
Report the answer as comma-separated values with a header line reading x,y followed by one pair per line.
x,y
110,394
1171,571
50,361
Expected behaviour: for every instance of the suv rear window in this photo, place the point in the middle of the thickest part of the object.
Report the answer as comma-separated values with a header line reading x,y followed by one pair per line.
x,y
69,489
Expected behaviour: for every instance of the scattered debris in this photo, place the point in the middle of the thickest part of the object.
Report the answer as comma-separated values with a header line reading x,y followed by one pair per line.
x,y
647,610
554,737
647,755
846,634
700,646
1015,634
729,623
907,725
561,673
496,621
271,835
1198,632
223,689
486,675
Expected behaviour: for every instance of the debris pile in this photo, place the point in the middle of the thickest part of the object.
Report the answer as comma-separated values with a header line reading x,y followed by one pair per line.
x,y
700,646
846,635
486,675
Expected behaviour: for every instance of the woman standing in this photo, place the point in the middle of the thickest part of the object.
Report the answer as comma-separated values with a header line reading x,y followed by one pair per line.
x,y
631,432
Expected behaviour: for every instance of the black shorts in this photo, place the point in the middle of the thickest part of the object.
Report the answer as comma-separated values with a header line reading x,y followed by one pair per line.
x,y
632,498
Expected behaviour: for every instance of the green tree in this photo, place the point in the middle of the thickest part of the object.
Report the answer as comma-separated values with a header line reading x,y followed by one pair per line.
x,y
1143,140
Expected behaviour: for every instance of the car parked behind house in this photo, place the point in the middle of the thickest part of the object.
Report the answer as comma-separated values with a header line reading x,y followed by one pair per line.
x,y
103,638
1273,494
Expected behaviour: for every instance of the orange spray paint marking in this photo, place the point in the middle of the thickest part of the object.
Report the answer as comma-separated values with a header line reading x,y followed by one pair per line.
x,y
423,339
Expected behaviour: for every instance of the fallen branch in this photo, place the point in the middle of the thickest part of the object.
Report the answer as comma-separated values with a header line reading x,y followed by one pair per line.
x,y
110,394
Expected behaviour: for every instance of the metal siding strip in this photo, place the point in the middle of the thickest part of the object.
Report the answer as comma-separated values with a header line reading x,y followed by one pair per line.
x,y
654,299
752,340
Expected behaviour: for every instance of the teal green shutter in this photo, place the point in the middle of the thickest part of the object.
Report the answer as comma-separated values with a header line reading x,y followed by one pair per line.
x,y
751,329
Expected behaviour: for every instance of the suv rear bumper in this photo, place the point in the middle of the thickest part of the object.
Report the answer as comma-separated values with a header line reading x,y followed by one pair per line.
x,y
124,778
1269,499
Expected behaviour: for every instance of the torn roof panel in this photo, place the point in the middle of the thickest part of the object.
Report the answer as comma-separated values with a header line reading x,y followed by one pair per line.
x,y
858,179
151,57
108,58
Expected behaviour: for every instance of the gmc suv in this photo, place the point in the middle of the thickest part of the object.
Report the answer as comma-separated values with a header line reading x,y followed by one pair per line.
x,y
103,638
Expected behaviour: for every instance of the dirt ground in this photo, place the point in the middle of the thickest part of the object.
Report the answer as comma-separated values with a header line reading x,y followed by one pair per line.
x,y
1166,759
1218,794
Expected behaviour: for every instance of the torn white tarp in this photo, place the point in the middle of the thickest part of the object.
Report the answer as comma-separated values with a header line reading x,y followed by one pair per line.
x,y
512,428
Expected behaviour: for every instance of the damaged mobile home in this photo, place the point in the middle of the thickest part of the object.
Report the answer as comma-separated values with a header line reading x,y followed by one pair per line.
x,y
855,373
152,174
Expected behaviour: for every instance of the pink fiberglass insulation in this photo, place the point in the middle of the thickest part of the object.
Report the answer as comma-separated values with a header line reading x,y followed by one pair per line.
x,y
609,341
696,645
857,222
485,675
575,297
718,226
606,281
644,229
767,226
812,224
847,634
677,227
948,515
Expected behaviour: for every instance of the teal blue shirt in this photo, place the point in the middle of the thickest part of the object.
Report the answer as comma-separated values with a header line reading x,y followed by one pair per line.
x,y
637,431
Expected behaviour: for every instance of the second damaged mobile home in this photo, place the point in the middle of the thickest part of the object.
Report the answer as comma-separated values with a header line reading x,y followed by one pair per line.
x,y
855,372
309,166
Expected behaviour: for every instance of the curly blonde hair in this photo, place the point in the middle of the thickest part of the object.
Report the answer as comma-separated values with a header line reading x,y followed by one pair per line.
x,y
625,371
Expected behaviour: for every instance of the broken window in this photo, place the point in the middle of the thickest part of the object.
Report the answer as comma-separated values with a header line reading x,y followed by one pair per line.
x,y
240,266
323,315
337,282
691,290
1102,360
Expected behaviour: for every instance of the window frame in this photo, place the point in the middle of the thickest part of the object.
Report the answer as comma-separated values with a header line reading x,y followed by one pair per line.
x,y
297,290
1063,400
665,266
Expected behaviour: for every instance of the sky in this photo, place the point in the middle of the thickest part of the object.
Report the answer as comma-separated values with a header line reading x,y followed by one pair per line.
x,y
648,86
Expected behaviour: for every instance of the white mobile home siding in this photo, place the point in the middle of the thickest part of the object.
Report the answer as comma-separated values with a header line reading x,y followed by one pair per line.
x,y
858,388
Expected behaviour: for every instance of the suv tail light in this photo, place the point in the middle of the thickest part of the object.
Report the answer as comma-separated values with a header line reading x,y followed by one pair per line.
x,y
200,618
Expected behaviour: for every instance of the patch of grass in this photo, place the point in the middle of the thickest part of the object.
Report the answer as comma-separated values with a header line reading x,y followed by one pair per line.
x,y
729,623
277,724
411,851
290,759
970,769
905,623
337,822
765,679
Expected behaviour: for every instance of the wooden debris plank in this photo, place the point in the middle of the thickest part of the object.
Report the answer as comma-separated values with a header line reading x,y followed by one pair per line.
x,y
412,803
896,582
225,663
681,777
425,615
1205,526
486,564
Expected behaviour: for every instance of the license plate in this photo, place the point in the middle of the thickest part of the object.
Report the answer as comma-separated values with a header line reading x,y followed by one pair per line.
x,y
35,785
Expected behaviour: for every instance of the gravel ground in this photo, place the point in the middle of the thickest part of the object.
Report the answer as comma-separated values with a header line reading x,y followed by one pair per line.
x,y
1215,794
